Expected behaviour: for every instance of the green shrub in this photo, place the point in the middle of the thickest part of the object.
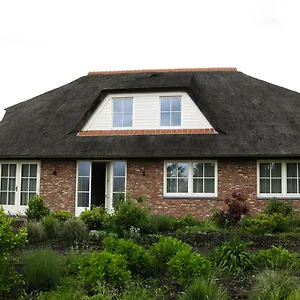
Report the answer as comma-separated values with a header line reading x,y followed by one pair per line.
x,y
74,230
37,209
35,232
62,215
294,295
160,224
94,218
276,206
51,227
103,267
42,269
186,265
9,241
273,285
128,214
138,259
263,223
73,259
276,257
202,289
183,223
232,257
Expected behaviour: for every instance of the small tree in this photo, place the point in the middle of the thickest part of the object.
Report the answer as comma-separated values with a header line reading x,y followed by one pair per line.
x,y
37,209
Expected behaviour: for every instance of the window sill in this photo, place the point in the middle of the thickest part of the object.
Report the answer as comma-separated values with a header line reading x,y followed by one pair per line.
x,y
192,197
278,197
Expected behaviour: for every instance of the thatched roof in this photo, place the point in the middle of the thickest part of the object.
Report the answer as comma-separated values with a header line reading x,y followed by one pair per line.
x,y
252,117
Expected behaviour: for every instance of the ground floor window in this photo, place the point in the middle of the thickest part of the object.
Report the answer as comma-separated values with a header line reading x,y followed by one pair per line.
x,y
190,178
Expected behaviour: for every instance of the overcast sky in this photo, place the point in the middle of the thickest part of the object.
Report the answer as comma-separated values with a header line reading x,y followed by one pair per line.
x,y
46,44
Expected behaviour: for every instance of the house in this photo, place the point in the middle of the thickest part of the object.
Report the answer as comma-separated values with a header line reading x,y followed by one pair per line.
x,y
185,139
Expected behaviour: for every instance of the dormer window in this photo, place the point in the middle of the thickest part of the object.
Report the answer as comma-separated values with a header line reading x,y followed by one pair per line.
x,y
122,112
170,108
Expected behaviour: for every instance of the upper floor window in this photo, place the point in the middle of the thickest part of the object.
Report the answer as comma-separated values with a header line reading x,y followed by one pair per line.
x,y
170,111
122,112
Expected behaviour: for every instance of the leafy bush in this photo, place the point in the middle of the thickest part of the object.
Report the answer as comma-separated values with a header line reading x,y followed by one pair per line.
x,y
94,218
35,232
183,223
276,206
159,224
9,241
204,289
61,215
74,230
276,257
43,269
127,214
273,285
51,226
37,209
186,265
264,224
232,257
138,259
104,267
234,212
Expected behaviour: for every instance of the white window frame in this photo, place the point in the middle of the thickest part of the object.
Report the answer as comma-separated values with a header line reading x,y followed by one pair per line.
x,y
284,194
181,110
112,113
190,193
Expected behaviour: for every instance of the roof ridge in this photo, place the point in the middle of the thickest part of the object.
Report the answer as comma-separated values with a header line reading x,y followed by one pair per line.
x,y
231,69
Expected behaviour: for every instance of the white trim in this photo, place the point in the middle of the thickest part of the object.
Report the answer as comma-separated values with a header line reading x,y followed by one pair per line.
x,y
284,194
190,193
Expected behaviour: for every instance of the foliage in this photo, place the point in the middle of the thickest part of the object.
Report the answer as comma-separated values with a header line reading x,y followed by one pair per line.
x,y
94,218
61,215
9,241
236,208
186,265
160,224
138,260
275,257
37,209
35,232
276,206
139,292
127,214
103,267
204,289
73,260
263,223
232,257
51,226
74,230
43,269
273,285
183,223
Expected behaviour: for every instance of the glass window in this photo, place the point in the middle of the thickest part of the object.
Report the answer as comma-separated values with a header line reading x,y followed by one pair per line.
x,y
122,112
270,178
28,182
293,178
8,184
170,108
119,175
83,184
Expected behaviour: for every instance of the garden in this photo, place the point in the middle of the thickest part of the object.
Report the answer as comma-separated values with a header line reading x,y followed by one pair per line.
x,y
135,255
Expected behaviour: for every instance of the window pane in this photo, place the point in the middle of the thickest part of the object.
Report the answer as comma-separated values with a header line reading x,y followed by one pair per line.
x,y
4,182
127,105
165,119
292,186
25,170
182,169
4,170
209,186
117,120
84,168
198,186
265,186
32,185
209,170
176,104
291,169
24,185
31,195
176,119
83,184
117,105
11,198
119,184
3,196
117,197
12,184
264,170
171,185
83,200
119,168
127,120
276,169
276,186
172,170
24,198
183,185
198,169
165,104
33,171
12,170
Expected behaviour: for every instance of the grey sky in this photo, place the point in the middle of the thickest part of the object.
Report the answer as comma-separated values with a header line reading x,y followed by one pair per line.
x,y
45,44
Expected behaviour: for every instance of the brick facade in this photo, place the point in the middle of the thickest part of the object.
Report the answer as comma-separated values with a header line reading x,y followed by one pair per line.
x,y
58,184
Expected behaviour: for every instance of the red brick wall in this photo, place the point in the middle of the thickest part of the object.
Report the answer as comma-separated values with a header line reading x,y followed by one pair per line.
x,y
59,190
